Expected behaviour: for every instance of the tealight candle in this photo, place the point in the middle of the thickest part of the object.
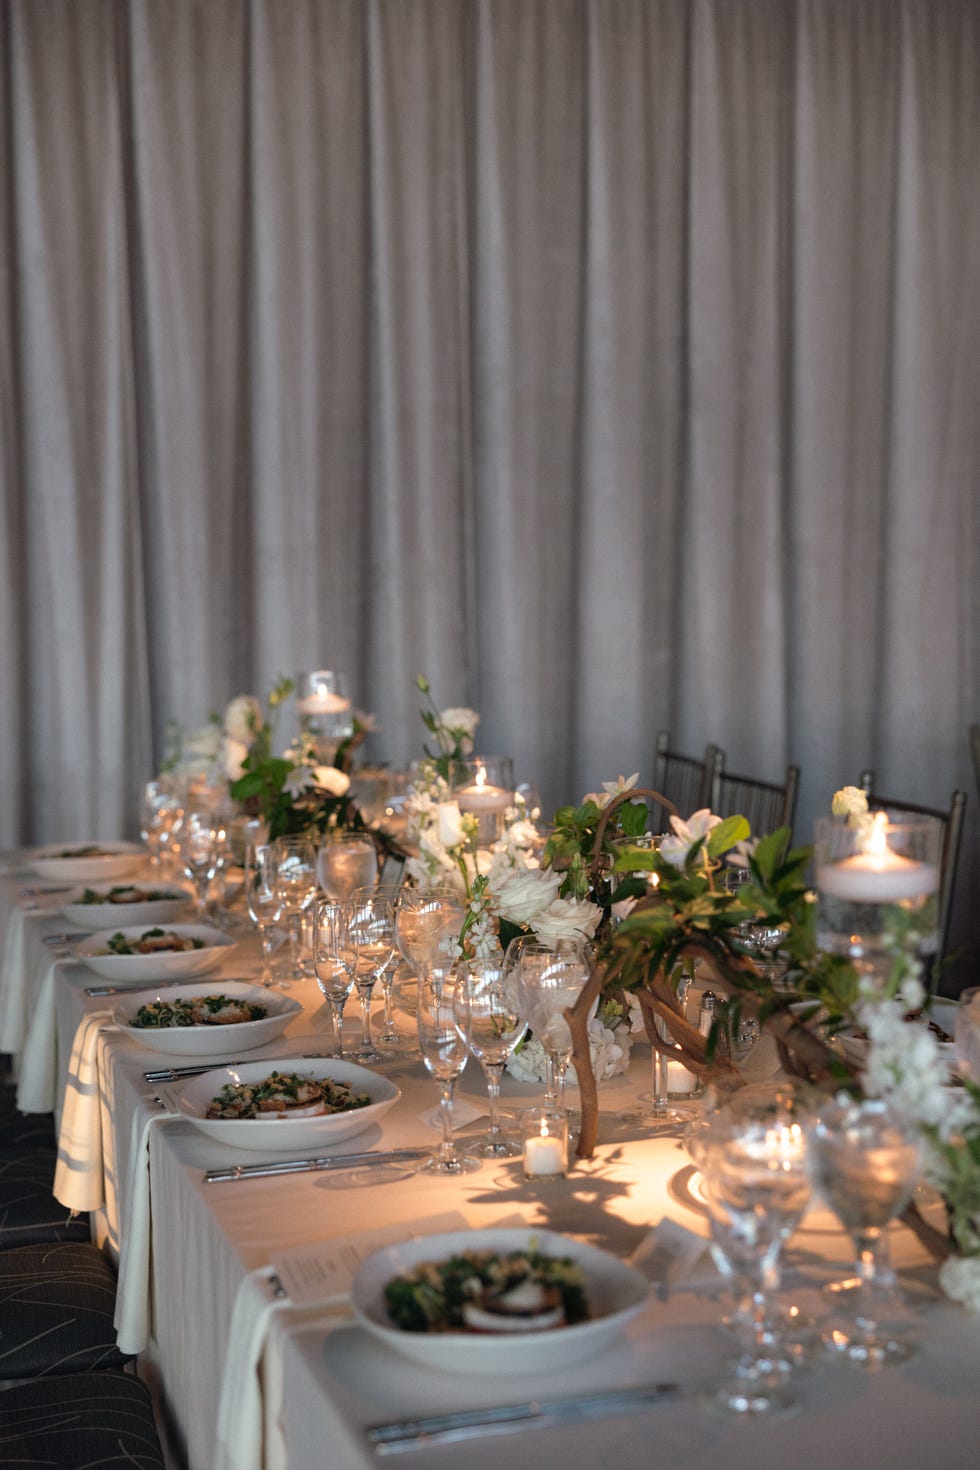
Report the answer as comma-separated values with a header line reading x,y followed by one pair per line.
x,y
877,874
545,1144
323,702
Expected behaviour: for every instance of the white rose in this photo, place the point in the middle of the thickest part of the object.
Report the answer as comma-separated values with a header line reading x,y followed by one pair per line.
x,y
243,719
332,780
449,820
525,893
235,753
567,918
849,801
456,724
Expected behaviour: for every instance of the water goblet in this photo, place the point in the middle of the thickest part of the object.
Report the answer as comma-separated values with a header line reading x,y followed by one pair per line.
x,y
346,862
425,924
201,840
549,980
443,1030
263,900
495,1027
371,936
864,1160
756,1187
334,961
296,886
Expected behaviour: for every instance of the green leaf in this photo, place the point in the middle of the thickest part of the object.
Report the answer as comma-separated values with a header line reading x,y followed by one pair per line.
x,y
726,834
632,818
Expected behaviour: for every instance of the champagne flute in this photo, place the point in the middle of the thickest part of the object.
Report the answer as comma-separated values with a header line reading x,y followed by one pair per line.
x,y
201,841
865,1159
389,1034
485,1001
334,961
443,1030
371,936
756,1187
296,885
346,862
263,900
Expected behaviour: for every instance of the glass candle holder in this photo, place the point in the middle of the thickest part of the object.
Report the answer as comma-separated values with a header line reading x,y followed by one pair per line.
x,y
326,715
545,1134
484,786
877,889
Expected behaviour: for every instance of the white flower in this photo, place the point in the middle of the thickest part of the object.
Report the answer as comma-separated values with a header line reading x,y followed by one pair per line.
x,y
959,1278
449,824
529,1063
331,779
299,780
849,801
686,835
610,789
456,724
567,918
202,747
235,753
243,719
526,893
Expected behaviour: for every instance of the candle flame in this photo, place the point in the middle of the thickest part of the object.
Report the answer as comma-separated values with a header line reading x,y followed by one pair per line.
x,y
481,776
877,838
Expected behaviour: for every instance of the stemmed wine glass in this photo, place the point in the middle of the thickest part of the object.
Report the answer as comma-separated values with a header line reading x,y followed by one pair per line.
x,y
296,886
334,961
486,1001
346,862
865,1160
371,936
263,900
160,810
443,1029
389,1035
548,981
757,1187
425,923
201,854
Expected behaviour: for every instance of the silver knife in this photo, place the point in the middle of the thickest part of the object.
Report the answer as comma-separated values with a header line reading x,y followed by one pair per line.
x,y
174,1074
411,1434
308,1166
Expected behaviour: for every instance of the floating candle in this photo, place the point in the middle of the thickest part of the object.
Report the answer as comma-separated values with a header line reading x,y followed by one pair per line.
x,y
878,874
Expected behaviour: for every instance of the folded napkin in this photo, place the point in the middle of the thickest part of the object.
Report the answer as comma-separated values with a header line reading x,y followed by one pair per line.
x,y
132,1318
463,1112
78,1181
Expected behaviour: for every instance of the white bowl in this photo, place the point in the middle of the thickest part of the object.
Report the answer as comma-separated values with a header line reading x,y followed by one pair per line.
x,y
64,861
150,969
616,1293
286,1134
102,915
209,1041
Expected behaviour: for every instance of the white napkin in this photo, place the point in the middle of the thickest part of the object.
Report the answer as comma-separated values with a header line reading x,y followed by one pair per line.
x,y
78,1181
132,1317
13,991
463,1112
37,1084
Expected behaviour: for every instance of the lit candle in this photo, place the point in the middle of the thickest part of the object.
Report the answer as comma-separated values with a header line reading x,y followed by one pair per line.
x,y
679,1079
878,875
545,1145
323,702
482,797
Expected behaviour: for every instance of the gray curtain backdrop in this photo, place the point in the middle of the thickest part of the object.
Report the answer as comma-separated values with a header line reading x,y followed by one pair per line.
x,y
613,362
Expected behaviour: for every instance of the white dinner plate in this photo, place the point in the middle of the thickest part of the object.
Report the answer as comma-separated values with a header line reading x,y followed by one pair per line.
x,y
152,969
615,1291
286,1134
67,861
209,1040
102,914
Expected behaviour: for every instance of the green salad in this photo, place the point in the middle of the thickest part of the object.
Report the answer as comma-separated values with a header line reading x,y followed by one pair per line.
x,y
153,941
200,1010
282,1094
437,1295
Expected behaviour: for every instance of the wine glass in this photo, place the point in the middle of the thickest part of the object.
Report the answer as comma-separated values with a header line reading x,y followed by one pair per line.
x,y
389,1035
549,980
334,961
296,885
865,1159
486,1001
757,1187
160,810
346,862
201,851
664,1113
371,936
443,1031
425,923
263,900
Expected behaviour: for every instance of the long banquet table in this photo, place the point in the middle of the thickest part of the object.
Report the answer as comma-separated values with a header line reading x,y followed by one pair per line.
x,y
190,1250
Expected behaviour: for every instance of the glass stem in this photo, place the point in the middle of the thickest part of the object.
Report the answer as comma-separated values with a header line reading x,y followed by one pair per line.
x,y
364,995
550,1082
561,1068
338,1024
265,937
866,1268
492,1071
446,1090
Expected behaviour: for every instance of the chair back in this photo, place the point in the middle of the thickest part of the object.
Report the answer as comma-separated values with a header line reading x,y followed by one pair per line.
x,y
951,826
975,752
766,805
683,779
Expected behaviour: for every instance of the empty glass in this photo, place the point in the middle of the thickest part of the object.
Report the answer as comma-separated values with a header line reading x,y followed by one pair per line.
x,y
334,961
296,885
346,862
389,1035
201,841
263,900
496,1025
426,923
443,1030
548,982
160,811
371,935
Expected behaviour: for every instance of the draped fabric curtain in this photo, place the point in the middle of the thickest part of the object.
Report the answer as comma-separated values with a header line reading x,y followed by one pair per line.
x,y
612,362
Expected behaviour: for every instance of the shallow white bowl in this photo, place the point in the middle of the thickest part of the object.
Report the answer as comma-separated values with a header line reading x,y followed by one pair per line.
x,y
151,969
209,1041
616,1293
115,860
285,1134
97,916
